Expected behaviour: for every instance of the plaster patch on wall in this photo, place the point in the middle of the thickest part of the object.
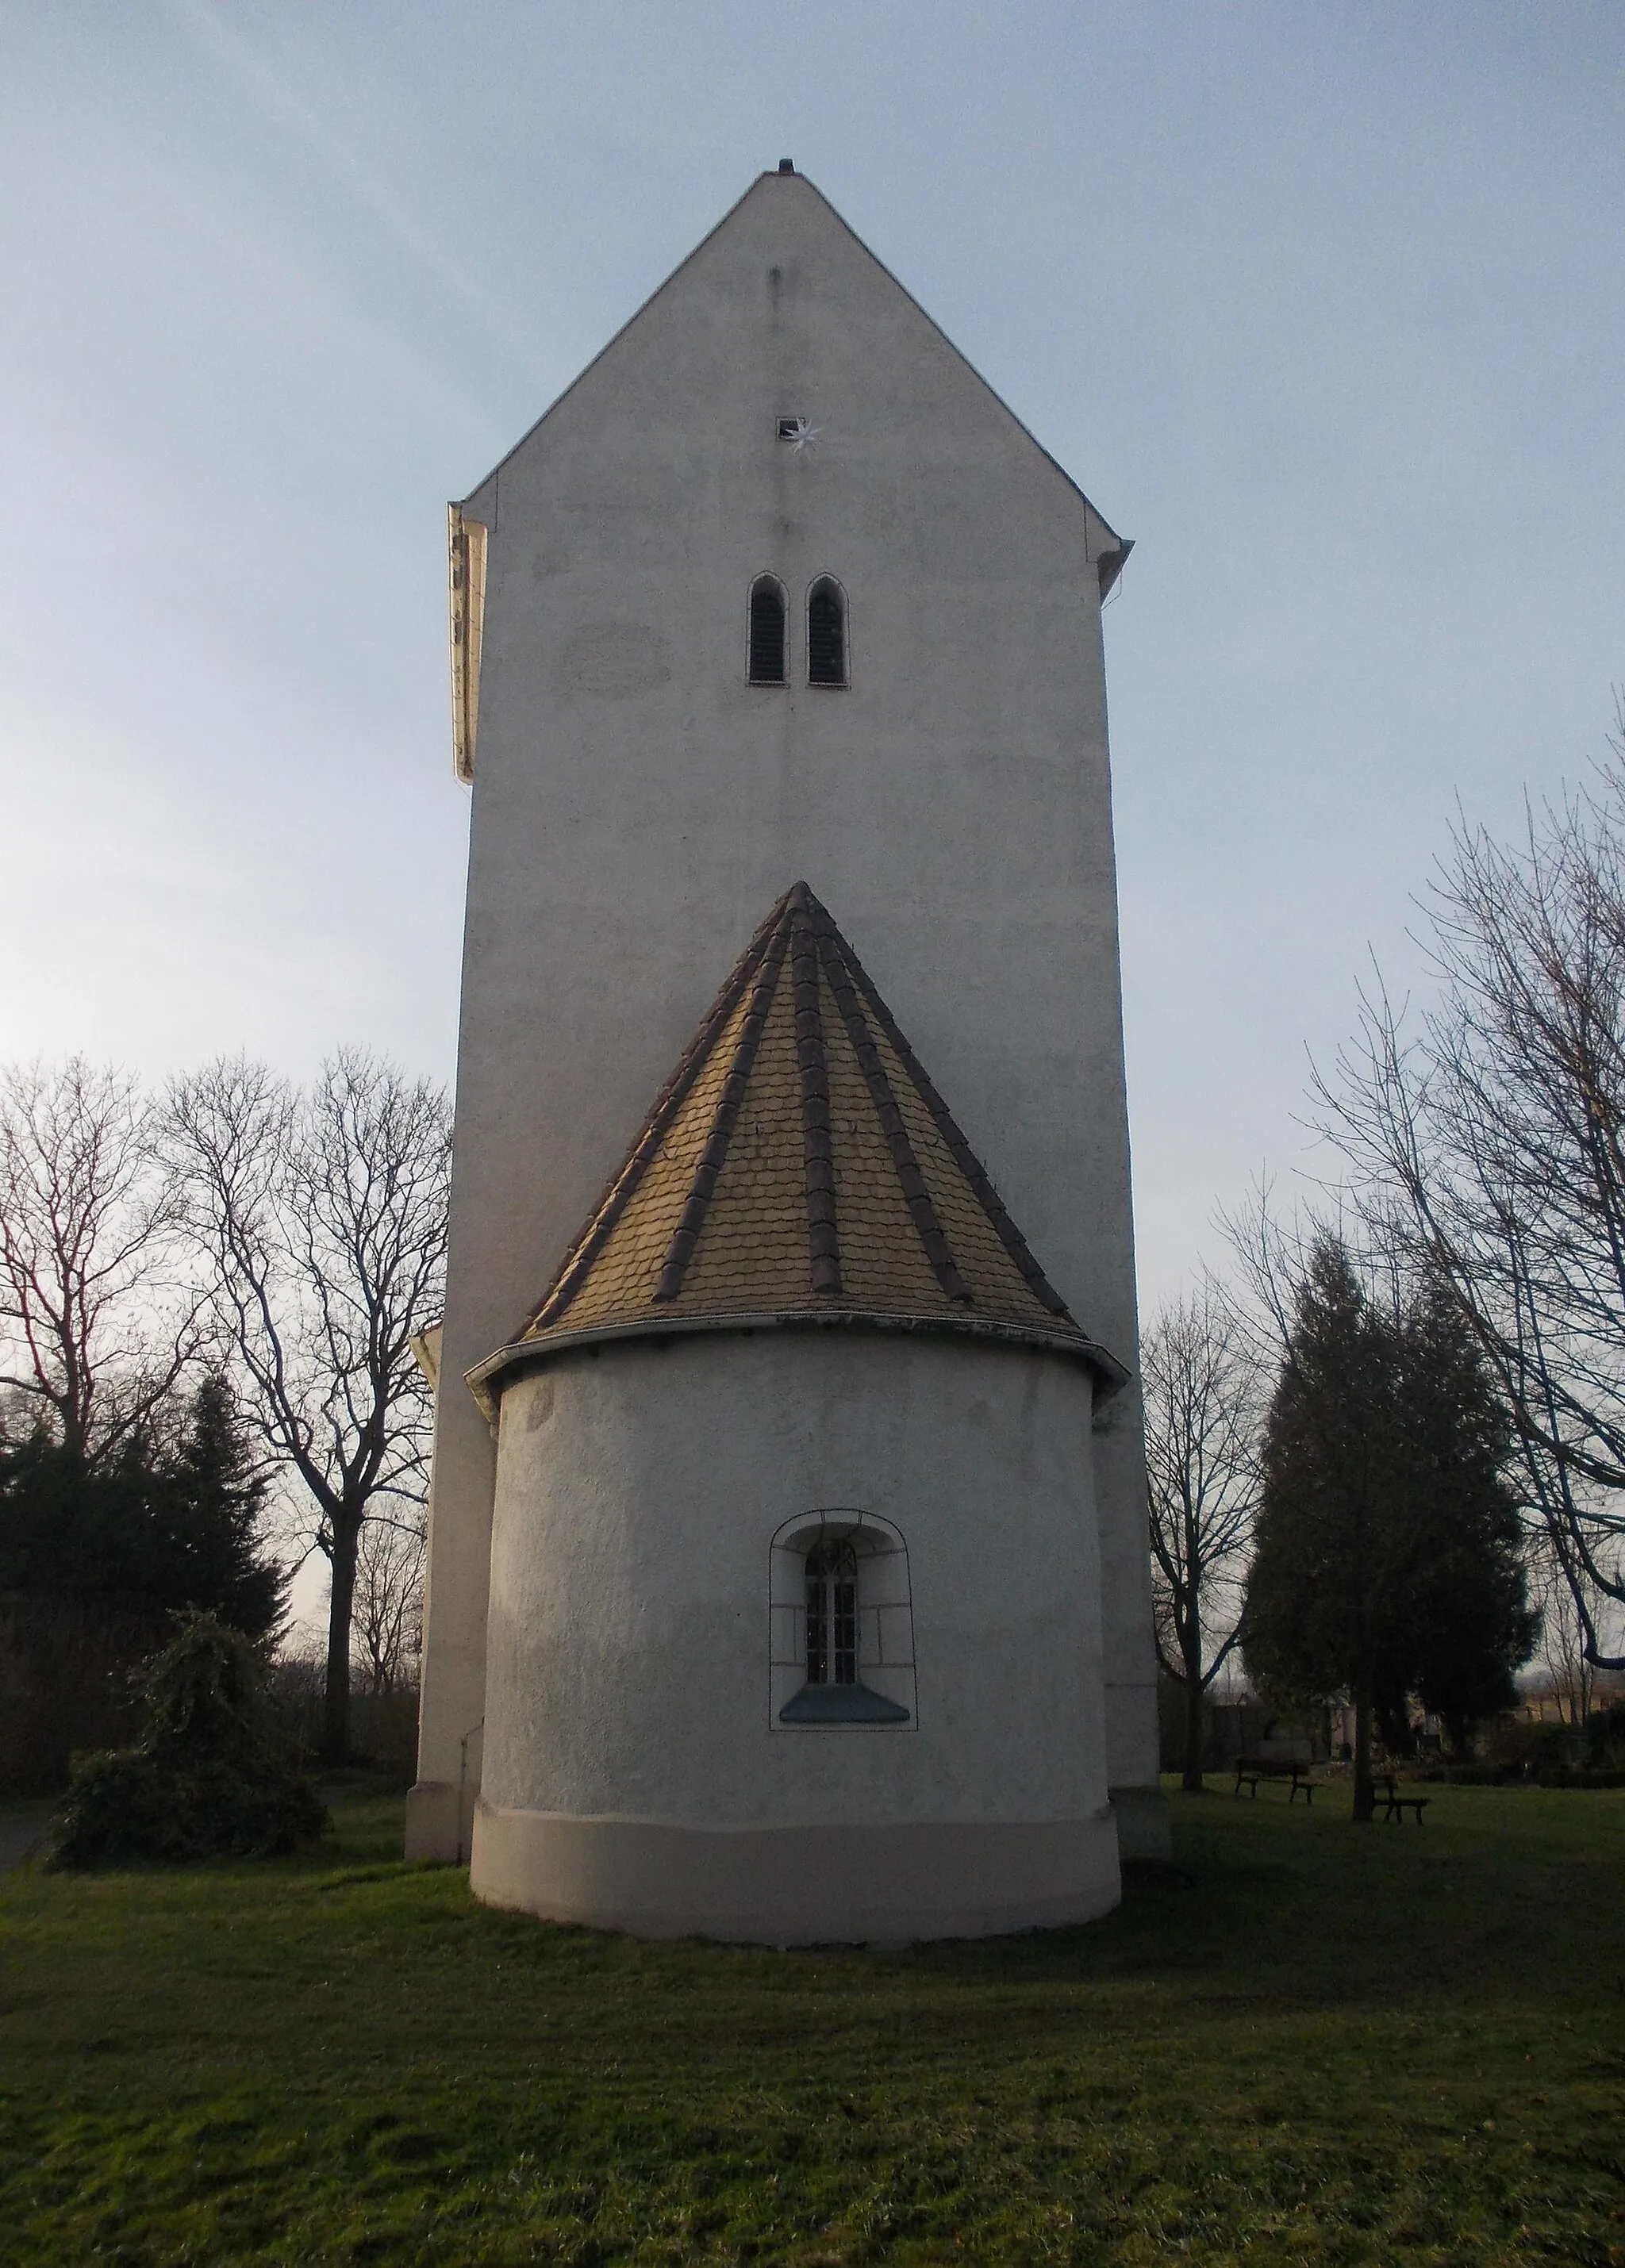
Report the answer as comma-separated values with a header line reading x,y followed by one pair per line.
x,y
613,660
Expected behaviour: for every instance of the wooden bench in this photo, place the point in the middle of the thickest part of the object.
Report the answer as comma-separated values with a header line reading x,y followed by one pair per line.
x,y
1251,1769
1396,1806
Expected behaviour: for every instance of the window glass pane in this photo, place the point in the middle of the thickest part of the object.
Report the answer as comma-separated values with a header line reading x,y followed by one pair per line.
x,y
832,1615
826,636
817,1627
767,621
845,1618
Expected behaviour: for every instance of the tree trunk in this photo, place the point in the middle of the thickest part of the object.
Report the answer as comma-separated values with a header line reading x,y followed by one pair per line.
x,y
1191,1784
341,1608
1364,1792
1395,1724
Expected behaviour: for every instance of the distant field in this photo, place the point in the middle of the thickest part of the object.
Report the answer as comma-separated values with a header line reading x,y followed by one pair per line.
x,y
1311,2042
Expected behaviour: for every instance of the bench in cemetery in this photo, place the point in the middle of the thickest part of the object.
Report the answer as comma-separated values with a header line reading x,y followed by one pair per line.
x,y
1395,1806
1251,1769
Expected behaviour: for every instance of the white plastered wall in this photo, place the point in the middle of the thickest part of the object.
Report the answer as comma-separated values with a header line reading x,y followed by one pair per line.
x,y
638,807
639,1493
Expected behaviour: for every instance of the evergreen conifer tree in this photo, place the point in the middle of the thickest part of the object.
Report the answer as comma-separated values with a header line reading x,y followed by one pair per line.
x,y
1472,1622
155,1528
216,1491
1387,1558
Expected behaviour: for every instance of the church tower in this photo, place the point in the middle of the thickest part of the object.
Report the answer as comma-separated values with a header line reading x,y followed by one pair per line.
x,y
817,1603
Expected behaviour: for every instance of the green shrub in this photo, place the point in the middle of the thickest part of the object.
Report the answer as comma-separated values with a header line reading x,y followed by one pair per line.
x,y
1547,1775
1605,1737
1438,1772
211,1776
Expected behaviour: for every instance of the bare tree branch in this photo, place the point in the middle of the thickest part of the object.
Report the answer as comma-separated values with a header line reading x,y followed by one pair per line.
x,y
1203,1386
1487,1140
324,1216
1571,1675
96,1324
389,1610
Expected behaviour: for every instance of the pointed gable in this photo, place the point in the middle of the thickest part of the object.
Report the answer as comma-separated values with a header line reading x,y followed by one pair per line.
x,y
840,244
799,1165
782,289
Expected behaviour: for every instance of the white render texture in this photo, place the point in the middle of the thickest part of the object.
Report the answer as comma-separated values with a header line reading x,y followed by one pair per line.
x,y
636,1772
636,807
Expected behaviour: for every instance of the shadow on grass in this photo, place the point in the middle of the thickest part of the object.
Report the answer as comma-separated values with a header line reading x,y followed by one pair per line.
x,y
1299,2040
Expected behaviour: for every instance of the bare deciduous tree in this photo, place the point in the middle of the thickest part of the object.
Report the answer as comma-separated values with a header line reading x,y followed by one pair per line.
x,y
1572,1678
94,1326
1204,1389
1488,1147
324,1216
388,1609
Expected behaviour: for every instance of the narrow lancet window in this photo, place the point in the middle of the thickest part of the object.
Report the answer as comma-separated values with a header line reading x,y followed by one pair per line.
x,y
767,627
826,633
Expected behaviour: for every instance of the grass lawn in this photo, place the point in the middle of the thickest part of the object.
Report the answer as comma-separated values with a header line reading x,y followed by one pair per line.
x,y
1306,2042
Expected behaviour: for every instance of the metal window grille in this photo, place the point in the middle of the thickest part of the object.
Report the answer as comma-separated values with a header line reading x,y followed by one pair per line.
x,y
767,627
826,635
832,1615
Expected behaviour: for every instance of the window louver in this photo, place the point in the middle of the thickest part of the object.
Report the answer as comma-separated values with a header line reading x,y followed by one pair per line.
x,y
826,635
767,625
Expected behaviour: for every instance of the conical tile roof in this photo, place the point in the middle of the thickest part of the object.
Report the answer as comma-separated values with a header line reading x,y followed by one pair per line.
x,y
799,1165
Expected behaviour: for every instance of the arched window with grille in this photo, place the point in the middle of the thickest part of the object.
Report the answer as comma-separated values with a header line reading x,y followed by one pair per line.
x,y
842,1638
826,633
769,618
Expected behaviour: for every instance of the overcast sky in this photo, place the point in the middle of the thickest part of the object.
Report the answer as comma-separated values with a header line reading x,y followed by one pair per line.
x,y
1321,304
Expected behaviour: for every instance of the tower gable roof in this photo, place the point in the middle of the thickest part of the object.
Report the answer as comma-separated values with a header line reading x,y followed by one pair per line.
x,y
798,1167
780,296
1110,548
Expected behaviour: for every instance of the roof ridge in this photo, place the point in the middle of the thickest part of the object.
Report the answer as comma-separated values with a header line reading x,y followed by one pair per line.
x,y
725,1117
617,1191
823,1248
963,1156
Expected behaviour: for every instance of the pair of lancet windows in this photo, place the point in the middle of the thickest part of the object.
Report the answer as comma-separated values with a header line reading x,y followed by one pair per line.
x,y
770,625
